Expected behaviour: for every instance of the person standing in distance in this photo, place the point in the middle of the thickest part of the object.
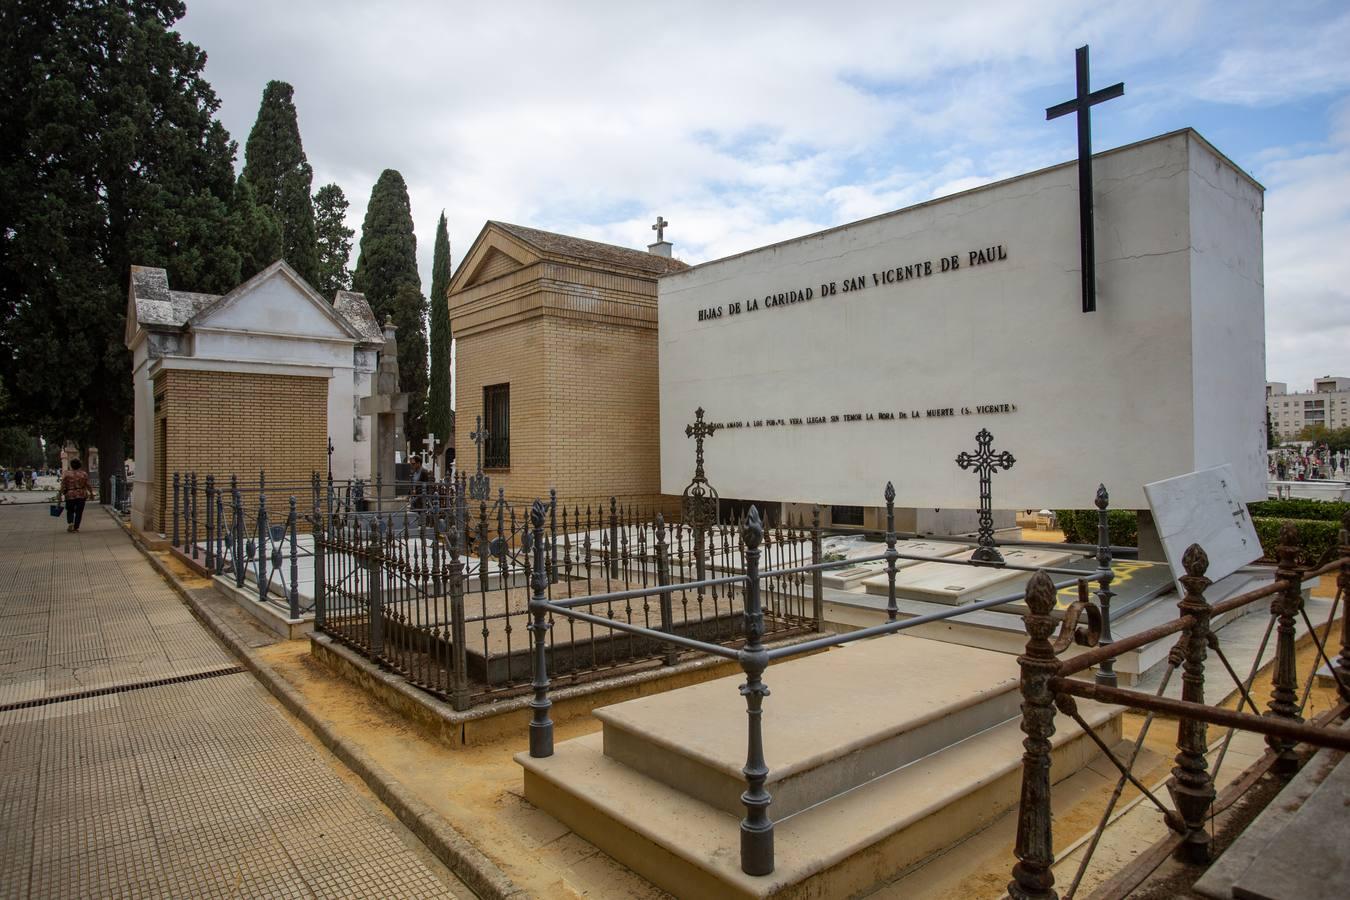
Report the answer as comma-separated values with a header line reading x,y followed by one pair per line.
x,y
75,490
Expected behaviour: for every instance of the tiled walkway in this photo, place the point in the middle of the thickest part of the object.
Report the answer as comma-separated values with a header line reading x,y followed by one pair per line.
x,y
191,789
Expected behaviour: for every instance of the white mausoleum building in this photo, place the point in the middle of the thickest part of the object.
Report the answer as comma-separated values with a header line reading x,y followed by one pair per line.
x,y
263,377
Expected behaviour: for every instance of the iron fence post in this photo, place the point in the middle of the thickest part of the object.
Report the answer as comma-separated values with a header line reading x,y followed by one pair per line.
x,y
552,535
262,536
1033,878
1343,589
613,539
670,656
375,596
1106,672
1193,787
192,520
173,541
220,531
293,595
239,561
319,533
541,726
459,694
1286,606
756,827
892,609
209,560
817,577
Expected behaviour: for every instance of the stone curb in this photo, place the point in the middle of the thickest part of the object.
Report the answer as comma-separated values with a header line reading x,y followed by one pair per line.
x,y
469,863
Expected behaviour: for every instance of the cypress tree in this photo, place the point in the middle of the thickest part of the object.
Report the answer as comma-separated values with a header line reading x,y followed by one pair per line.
x,y
335,240
386,272
112,156
276,168
438,394
255,232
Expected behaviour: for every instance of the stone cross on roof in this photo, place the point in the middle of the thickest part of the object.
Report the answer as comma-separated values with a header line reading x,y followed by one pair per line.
x,y
660,229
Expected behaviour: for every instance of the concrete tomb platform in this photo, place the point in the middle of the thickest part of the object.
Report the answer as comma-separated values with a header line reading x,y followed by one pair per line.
x,y
875,763
937,582
847,578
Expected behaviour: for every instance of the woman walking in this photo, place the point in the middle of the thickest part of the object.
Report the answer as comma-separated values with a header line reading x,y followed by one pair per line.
x,y
75,490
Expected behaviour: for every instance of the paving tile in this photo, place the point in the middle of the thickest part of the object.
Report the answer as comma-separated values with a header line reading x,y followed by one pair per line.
x,y
194,789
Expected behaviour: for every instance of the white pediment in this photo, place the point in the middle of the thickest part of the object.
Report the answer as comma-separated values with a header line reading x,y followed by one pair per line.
x,y
275,302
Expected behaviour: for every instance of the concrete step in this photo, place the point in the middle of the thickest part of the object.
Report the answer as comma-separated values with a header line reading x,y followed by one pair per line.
x,y
833,721
837,848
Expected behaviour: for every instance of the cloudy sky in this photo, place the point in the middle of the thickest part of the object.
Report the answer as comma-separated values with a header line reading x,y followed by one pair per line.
x,y
748,122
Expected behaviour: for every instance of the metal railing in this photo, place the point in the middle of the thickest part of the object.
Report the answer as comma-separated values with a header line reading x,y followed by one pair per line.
x,y
440,590
757,844
1048,686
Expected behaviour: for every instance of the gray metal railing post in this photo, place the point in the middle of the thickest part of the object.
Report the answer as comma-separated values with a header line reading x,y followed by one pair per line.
x,y
210,561
671,655
817,577
552,535
1193,787
1286,606
173,540
192,521
756,827
892,609
262,536
459,691
1033,878
293,595
220,531
1106,672
613,539
541,726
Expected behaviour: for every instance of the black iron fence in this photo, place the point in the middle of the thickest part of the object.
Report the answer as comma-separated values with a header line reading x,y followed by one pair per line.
x,y
439,591
1046,684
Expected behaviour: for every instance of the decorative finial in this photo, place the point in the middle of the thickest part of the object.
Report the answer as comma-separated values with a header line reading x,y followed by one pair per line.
x,y
1195,561
537,513
753,530
890,492
1103,498
1040,594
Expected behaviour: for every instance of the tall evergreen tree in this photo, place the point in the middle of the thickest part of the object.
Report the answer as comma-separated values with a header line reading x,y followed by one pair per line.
x,y
335,240
112,155
280,175
255,232
438,394
386,266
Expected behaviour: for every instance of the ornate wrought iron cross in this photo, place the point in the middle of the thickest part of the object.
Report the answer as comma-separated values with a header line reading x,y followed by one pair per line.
x,y
480,486
700,500
660,229
986,461
1082,104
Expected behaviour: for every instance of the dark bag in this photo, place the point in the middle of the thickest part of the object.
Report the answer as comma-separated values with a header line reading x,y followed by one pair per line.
x,y
57,508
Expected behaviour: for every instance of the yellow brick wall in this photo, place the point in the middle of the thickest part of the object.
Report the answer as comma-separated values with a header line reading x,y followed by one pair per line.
x,y
237,423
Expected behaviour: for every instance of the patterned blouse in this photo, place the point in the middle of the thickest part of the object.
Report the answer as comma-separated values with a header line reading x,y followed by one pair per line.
x,y
75,485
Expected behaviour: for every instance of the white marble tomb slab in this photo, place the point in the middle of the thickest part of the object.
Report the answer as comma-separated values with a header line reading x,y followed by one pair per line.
x,y
936,582
1204,508
849,578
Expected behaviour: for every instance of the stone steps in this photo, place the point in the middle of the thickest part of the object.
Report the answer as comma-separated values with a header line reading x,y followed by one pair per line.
x,y
869,774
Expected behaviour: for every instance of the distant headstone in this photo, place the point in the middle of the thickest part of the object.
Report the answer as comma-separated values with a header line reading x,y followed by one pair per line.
x,y
1204,508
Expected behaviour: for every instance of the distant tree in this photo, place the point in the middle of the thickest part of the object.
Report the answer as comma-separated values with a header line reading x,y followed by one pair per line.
x,y
111,155
255,233
1270,430
19,447
386,272
280,175
335,240
438,394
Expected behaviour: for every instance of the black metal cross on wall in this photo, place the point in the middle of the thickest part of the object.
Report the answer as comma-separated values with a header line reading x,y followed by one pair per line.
x,y
1082,104
986,461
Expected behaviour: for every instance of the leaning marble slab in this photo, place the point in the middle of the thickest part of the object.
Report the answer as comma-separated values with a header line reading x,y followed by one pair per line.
x,y
1204,508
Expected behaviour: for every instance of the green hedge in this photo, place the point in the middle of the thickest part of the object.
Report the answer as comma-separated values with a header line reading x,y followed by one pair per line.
x,y
1080,526
1317,538
1297,508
